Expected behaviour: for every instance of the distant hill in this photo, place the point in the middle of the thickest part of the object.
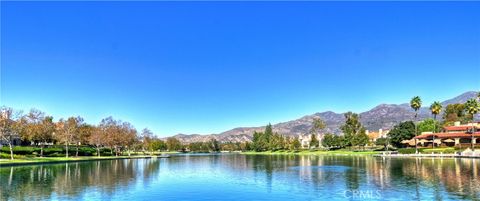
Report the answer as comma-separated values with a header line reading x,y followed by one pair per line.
x,y
383,116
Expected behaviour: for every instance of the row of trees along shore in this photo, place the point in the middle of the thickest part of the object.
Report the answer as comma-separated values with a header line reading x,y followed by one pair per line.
x,y
457,112
40,130
354,135
115,137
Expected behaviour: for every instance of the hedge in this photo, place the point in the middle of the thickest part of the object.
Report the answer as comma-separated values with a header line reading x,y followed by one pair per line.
x,y
54,151
427,150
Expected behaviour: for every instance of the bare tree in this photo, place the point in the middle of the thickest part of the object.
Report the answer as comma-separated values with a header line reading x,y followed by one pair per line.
x,y
67,129
11,125
97,139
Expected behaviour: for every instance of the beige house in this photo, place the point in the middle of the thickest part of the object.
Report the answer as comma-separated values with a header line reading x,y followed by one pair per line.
x,y
373,136
306,138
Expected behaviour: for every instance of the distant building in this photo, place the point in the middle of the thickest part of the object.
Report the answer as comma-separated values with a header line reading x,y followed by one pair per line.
x,y
373,136
457,135
306,138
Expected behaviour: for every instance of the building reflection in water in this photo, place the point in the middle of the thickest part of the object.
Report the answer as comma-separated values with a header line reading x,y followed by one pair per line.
x,y
321,176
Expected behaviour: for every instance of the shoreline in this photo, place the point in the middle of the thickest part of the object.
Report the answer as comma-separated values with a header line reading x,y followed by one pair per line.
x,y
314,153
425,156
361,153
52,160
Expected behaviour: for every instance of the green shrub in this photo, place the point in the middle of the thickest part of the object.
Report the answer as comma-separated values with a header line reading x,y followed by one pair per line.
x,y
57,155
7,156
21,150
51,150
86,151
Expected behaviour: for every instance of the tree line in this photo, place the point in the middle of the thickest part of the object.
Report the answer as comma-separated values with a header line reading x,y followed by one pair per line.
x,y
354,135
457,112
40,130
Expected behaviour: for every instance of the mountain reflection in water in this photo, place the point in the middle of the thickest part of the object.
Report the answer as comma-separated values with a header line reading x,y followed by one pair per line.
x,y
246,177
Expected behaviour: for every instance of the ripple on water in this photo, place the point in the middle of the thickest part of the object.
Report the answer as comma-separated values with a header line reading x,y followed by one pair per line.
x,y
329,168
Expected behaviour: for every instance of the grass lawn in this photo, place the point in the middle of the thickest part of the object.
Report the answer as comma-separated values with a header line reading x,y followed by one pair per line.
x,y
439,150
308,152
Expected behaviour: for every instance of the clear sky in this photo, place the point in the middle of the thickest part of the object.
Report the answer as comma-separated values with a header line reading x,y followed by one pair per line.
x,y
206,67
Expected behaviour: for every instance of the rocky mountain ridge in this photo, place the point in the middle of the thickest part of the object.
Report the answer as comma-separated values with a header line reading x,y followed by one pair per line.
x,y
383,116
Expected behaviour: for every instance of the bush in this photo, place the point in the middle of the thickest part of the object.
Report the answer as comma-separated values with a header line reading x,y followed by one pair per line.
x,y
19,150
7,156
57,155
446,150
86,151
51,150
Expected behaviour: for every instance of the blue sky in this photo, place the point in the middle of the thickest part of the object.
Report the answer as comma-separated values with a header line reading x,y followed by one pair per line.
x,y
206,67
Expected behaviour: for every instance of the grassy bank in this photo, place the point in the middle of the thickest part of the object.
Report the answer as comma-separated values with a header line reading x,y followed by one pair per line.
x,y
438,150
39,160
308,152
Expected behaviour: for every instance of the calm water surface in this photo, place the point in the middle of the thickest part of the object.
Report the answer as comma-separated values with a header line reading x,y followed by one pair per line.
x,y
246,177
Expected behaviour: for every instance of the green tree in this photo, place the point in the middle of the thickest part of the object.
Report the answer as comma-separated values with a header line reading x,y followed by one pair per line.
x,y
317,127
361,139
471,107
382,142
296,143
267,137
400,132
328,140
173,144
214,145
453,113
416,104
278,142
259,141
427,125
313,141
353,130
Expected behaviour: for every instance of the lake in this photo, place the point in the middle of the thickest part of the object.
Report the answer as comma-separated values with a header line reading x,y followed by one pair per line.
x,y
246,177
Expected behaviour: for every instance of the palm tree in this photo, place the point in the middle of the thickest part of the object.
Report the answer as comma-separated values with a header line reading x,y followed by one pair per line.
x,y
435,108
471,107
416,104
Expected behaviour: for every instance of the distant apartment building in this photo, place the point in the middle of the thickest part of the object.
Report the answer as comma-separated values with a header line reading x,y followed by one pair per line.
x,y
373,136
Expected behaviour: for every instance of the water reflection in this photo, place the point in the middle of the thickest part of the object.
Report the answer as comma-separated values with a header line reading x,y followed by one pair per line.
x,y
70,179
241,177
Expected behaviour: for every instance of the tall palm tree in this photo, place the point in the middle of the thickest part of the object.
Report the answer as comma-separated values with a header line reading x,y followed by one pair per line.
x,y
471,107
435,108
416,104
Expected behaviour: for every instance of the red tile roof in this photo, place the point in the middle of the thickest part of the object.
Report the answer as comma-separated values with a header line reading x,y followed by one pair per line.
x,y
458,128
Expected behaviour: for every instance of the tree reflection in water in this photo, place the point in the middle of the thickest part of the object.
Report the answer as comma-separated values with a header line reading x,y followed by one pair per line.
x,y
70,179
300,177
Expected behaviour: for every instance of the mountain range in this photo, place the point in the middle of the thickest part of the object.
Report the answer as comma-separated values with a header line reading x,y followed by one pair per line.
x,y
383,116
